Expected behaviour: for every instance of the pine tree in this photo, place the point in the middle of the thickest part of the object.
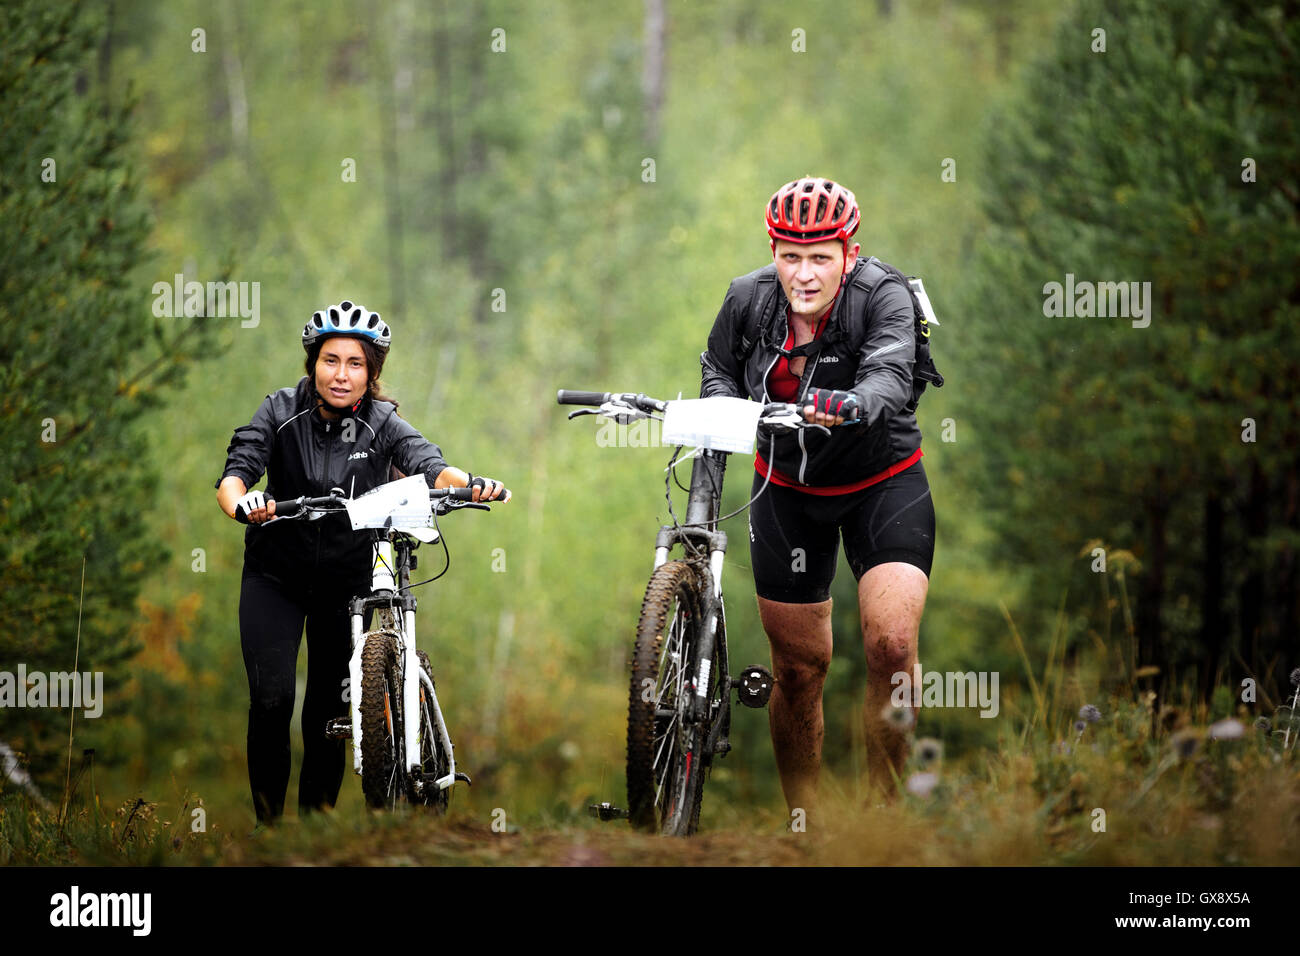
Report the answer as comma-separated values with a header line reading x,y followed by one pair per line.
x,y
1163,150
83,360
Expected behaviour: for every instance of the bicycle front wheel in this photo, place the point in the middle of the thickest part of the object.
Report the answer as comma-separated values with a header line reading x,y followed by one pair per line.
x,y
665,765
381,722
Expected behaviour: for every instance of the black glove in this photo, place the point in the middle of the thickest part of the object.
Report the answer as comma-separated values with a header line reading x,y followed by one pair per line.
x,y
481,483
832,401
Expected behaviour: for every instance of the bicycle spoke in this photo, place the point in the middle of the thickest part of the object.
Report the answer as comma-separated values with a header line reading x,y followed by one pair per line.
x,y
667,756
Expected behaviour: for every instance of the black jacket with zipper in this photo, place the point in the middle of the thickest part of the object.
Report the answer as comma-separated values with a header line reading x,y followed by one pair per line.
x,y
868,348
303,453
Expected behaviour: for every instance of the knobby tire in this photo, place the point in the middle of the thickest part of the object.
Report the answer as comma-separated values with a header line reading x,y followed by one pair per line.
x,y
665,765
381,722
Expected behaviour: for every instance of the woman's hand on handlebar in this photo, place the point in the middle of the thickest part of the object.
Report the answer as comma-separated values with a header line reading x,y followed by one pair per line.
x,y
254,508
482,488
488,489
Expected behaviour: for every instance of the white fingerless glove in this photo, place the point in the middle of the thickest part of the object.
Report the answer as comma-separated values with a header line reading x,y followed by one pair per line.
x,y
246,505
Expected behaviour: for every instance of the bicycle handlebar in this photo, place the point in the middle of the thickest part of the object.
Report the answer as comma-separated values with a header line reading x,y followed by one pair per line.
x,y
778,415
635,400
567,396
293,507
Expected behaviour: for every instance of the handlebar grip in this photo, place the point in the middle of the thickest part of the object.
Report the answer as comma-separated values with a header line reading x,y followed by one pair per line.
x,y
461,494
569,397
285,508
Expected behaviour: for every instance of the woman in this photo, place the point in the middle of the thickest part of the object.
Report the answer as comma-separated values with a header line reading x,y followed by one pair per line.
x,y
333,430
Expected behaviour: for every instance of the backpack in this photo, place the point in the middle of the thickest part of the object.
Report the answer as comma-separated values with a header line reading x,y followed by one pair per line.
x,y
924,371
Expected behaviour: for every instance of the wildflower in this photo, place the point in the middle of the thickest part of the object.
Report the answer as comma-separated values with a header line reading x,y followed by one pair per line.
x,y
1229,729
1080,726
1062,748
1295,677
1264,724
1185,743
928,751
921,784
1089,713
899,718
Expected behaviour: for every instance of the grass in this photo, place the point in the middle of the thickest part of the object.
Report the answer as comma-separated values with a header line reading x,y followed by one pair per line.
x,y
1133,788
1132,780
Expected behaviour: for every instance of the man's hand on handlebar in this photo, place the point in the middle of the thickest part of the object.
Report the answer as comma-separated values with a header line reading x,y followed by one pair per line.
x,y
827,406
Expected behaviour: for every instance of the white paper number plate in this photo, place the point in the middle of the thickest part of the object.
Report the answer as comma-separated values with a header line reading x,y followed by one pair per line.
x,y
719,424
404,502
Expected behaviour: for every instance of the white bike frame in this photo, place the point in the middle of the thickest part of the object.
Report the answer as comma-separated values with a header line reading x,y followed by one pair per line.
x,y
382,580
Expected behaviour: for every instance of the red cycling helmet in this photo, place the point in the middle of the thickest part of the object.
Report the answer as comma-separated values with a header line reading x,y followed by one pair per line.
x,y
812,210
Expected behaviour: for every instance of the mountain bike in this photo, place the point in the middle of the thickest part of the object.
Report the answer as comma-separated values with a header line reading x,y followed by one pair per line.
x,y
679,699
388,676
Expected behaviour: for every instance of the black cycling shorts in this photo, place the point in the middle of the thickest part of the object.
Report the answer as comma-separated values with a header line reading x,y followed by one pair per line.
x,y
793,536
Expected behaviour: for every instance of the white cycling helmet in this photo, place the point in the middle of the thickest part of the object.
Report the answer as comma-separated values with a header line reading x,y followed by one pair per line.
x,y
347,318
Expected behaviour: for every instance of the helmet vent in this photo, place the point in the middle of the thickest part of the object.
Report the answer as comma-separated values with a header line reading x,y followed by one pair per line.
x,y
804,205
839,208
334,315
346,306
821,207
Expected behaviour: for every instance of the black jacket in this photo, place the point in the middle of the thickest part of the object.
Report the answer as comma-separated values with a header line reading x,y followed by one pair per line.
x,y
303,453
869,346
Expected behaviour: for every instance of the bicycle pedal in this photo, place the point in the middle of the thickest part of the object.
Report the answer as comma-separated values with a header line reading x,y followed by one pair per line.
x,y
755,686
461,775
340,727
607,811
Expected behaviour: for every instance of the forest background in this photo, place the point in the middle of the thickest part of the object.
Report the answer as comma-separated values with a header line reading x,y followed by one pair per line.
x,y
544,196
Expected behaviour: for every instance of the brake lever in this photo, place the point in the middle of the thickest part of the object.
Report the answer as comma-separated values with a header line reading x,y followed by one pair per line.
x,y
447,506
582,411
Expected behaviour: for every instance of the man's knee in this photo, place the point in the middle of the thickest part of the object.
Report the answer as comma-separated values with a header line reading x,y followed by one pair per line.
x,y
800,674
890,652
801,643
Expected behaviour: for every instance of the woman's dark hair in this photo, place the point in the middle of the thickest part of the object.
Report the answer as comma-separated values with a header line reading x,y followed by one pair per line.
x,y
374,366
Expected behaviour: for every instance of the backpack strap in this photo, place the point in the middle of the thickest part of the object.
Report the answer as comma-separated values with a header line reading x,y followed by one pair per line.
x,y
923,371
757,320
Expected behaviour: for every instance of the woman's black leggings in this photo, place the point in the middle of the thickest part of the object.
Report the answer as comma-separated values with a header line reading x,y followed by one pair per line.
x,y
271,616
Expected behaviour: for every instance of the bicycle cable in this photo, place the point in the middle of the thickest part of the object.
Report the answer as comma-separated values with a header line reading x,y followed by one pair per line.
x,y
704,524
446,553
687,544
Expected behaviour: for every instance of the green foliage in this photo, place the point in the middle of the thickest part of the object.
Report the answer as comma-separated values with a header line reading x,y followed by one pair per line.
x,y
1127,165
501,219
524,171
83,362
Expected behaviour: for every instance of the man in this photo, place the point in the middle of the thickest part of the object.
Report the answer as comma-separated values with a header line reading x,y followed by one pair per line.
x,y
837,334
